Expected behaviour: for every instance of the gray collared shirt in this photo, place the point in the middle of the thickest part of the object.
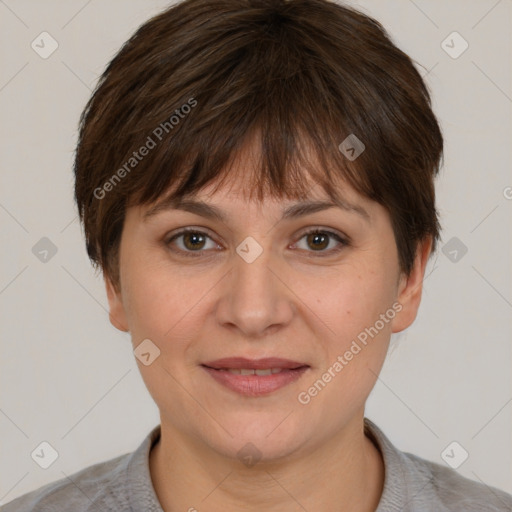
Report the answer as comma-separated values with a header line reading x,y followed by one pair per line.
x,y
411,484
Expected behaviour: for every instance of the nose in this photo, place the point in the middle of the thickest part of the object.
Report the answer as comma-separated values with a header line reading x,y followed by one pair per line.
x,y
255,297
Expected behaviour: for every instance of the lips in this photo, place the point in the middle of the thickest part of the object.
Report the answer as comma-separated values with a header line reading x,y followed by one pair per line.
x,y
255,377
239,363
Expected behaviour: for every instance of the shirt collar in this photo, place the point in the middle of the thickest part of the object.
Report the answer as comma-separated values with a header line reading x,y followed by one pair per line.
x,y
394,495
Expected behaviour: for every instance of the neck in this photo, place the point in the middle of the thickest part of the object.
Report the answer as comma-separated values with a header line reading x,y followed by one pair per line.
x,y
346,473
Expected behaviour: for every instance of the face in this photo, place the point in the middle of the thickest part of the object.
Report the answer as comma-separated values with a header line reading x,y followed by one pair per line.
x,y
258,285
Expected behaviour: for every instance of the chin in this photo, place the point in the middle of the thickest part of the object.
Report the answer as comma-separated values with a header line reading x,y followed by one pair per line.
x,y
267,438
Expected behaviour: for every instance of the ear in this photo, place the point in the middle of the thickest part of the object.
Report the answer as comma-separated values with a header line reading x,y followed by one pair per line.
x,y
117,314
410,288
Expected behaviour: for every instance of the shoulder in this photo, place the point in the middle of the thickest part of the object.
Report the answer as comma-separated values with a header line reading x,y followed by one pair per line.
x,y
445,487
92,488
119,484
414,484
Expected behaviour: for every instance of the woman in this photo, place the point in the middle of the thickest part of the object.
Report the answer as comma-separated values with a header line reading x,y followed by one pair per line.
x,y
256,181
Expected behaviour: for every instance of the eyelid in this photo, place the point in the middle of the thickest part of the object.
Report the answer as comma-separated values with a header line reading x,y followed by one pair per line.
x,y
183,231
322,229
342,239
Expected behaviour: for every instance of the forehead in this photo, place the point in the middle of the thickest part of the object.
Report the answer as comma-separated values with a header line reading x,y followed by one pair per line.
x,y
304,187
223,203
240,180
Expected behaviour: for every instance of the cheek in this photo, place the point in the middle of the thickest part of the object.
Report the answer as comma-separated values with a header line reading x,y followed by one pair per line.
x,y
168,306
355,344
162,309
357,338
351,300
154,302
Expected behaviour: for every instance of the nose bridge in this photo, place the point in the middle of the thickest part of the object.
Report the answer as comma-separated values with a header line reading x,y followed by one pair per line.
x,y
251,267
253,281
255,299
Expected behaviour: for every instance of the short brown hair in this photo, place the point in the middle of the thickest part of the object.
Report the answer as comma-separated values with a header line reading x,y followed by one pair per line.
x,y
300,72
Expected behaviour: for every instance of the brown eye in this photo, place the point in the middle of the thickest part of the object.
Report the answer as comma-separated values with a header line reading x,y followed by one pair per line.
x,y
190,242
318,241
193,240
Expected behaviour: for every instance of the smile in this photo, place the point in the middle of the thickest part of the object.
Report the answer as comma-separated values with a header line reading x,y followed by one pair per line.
x,y
255,377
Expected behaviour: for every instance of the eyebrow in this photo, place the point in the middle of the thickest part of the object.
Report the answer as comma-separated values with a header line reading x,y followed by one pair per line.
x,y
291,212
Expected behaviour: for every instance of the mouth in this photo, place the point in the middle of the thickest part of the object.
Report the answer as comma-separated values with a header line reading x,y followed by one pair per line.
x,y
255,377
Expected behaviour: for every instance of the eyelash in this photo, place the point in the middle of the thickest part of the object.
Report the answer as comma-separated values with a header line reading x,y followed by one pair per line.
x,y
343,242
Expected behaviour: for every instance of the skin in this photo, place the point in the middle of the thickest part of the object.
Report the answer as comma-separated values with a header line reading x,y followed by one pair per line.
x,y
291,302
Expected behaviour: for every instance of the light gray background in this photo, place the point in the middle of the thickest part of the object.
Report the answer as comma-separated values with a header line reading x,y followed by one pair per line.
x,y
69,378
